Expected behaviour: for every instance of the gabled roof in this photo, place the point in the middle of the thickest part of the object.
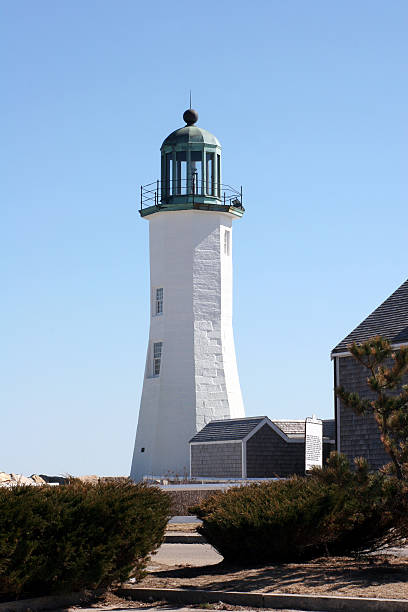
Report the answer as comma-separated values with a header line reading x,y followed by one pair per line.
x,y
238,429
227,429
390,320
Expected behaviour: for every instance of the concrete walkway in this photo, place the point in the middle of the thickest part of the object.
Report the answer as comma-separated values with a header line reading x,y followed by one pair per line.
x,y
186,554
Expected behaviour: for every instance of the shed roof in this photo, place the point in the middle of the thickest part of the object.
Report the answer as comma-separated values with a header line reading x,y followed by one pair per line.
x,y
238,429
390,320
227,429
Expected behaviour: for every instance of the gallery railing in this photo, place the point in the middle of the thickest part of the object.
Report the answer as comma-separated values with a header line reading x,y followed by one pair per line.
x,y
157,194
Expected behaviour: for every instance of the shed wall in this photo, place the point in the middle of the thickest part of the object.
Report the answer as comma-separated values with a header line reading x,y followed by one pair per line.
x,y
223,460
268,455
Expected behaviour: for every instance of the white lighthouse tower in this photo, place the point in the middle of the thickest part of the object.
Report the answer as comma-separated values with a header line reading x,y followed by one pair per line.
x,y
191,374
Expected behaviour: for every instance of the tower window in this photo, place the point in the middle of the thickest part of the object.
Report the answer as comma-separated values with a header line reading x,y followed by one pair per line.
x,y
227,242
157,353
158,302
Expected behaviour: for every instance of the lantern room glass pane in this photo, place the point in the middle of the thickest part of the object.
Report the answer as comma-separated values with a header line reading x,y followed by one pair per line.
x,y
196,172
181,172
210,174
168,175
218,175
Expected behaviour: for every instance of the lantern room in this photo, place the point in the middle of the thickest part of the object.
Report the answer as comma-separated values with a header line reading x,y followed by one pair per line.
x,y
191,162
190,174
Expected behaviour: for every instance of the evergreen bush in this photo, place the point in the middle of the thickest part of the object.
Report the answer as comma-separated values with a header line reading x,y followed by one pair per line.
x,y
336,510
77,536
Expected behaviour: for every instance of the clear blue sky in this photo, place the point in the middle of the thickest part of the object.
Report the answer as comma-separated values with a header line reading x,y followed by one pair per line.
x,y
309,100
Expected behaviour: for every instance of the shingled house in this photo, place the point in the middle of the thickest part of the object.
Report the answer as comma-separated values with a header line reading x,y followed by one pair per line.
x,y
253,447
358,436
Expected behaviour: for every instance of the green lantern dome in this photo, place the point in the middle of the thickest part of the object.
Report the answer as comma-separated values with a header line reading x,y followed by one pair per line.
x,y
191,134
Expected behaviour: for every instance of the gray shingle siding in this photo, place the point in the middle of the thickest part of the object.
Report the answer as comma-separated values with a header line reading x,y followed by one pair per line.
x,y
359,435
216,460
268,455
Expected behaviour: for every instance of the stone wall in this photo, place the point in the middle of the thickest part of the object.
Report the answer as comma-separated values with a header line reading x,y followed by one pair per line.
x,y
182,501
223,460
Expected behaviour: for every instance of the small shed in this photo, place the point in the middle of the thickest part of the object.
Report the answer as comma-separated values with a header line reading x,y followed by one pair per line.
x,y
253,447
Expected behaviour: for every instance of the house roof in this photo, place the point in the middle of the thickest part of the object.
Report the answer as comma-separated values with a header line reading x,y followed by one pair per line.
x,y
294,429
389,320
291,428
238,429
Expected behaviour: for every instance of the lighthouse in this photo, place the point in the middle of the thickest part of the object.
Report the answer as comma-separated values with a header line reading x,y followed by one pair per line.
x,y
191,375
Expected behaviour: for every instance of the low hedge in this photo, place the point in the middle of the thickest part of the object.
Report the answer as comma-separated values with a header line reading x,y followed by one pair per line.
x,y
334,511
77,536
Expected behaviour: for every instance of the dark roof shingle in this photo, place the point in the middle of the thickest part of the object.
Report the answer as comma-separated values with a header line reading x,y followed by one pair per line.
x,y
390,320
227,429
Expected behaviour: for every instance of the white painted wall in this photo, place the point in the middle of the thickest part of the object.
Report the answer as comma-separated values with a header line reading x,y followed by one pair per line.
x,y
198,380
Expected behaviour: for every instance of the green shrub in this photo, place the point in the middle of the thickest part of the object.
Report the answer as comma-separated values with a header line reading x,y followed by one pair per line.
x,y
334,511
77,536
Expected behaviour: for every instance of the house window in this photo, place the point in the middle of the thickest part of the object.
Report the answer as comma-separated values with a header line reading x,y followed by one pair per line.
x,y
158,302
157,353
227,242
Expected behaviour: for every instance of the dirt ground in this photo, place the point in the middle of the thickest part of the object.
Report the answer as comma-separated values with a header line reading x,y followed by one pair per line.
x,y
380,576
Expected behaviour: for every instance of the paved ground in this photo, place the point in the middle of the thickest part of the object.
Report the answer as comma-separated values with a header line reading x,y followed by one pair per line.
x,y
177,520
204,554
186,554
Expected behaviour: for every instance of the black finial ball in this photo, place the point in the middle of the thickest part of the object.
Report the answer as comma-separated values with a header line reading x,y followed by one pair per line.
x,y
190,116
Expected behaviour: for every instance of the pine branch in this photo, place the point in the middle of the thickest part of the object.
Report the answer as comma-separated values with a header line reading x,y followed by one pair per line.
x,y
390,408
352,400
